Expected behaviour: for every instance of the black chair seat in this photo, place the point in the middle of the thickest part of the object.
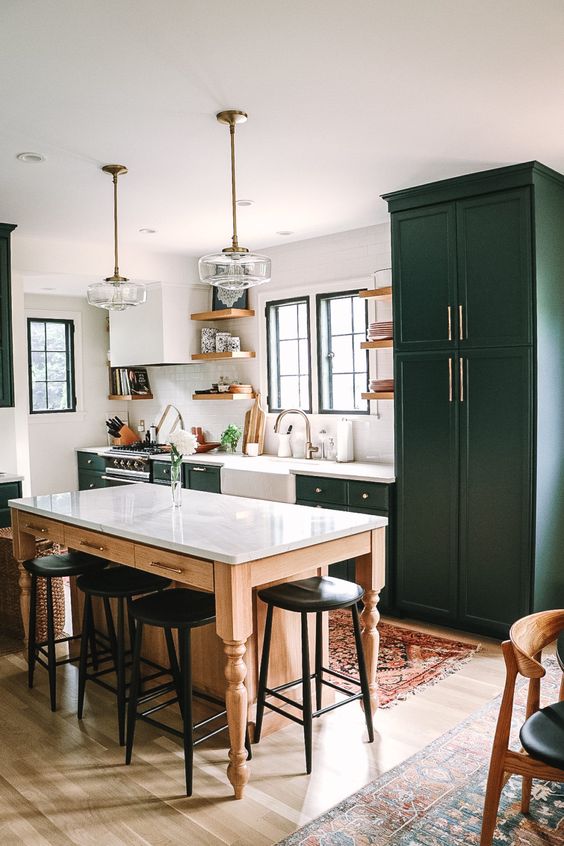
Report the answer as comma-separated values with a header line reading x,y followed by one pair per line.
x,y
121,581
71,563
320,593
542,736
177,609
560,651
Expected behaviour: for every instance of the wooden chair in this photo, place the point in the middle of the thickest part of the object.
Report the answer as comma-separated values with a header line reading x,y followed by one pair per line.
x,y
542,734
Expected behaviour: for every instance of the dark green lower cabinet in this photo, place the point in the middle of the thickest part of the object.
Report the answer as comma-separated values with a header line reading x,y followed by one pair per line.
x,y
88,479
202,477
8,490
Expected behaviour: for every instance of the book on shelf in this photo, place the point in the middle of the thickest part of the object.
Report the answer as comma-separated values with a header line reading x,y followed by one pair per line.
x,y
130,381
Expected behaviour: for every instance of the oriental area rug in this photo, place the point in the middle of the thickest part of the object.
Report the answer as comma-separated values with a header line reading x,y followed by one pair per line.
x,y
436,798
408,661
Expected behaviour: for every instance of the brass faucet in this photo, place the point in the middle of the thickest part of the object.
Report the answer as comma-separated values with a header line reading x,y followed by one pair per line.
x,y
309,448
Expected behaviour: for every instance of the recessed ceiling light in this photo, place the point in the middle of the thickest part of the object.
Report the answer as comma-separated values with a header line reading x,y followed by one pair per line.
x,y
146,231
245,202
31,158
285,232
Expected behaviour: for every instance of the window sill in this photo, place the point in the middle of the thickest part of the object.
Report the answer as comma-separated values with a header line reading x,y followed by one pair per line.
x,y
58,417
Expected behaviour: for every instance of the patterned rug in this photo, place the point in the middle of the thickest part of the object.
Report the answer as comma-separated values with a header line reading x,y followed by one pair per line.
x,y
436,797
408,661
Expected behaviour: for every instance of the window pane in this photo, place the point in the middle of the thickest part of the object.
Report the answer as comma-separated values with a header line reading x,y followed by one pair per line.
x,y
304,356
56,366
360,358
343,392
360,387
38,369
289,358
302,320
289,391
341,315
287,321
359,309
57,396
56,336
39,396
342,350
37,335
304,392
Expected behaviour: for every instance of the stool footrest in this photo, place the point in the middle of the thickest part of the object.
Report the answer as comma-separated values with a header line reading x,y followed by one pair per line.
x,y
275,691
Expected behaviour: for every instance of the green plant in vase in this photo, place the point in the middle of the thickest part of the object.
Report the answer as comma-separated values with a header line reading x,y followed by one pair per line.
x,y
181,443
230,438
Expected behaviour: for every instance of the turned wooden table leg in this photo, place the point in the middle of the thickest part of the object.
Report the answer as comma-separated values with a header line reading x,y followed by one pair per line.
x,y
24,582
234,624
371,574
24,549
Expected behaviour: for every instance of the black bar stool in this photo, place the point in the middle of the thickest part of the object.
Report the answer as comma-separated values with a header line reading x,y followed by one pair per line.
x,y
181,609
71,563
121,584
312,596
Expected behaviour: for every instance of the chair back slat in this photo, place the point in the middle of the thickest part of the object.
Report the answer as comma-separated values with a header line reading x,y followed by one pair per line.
x,y
530,635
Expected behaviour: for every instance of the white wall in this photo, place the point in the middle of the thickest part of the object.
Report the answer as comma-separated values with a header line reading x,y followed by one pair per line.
x,y
333,262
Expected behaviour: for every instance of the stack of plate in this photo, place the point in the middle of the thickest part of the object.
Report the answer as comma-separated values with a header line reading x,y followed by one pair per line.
x,y
380,331
377,385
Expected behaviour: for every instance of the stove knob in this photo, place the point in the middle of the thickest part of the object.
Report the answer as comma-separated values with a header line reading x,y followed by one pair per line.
x,y
137,465
122,463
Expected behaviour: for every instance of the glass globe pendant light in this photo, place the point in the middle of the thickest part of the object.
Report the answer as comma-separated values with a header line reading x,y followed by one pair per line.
x,y
234,269
116,293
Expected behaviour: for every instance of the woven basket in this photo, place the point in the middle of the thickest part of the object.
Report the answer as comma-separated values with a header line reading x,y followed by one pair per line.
x,y
10,612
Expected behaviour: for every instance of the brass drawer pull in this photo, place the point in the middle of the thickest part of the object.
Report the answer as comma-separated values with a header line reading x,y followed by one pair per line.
x,y
461,380
318,490
449,314
460,323
36,528
91,545
89,461
164,567
450,379
199,469
91,485
365,496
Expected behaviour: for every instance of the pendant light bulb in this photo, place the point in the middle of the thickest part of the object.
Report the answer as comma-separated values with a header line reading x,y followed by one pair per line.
x,y
116,293
234,269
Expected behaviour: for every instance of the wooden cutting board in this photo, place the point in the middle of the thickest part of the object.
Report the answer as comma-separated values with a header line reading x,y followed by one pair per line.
x,y
255,423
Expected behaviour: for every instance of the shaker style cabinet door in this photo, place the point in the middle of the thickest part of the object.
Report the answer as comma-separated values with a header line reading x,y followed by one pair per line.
x,y
495,487
427,485
494,307
6,366
424,271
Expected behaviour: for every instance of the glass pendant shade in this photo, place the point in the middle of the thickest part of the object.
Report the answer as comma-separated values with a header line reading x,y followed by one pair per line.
x,y
234,271
116,296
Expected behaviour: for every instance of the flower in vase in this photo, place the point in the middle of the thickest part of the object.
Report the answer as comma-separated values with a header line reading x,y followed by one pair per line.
x,y
182,443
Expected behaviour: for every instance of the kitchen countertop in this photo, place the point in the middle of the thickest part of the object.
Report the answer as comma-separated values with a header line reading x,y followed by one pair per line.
x,y
8,477
362,471
233,530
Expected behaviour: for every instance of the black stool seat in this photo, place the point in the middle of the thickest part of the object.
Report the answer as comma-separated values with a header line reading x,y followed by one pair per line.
x,y
175,609
71,563
121,581
542,736
560,651
320,593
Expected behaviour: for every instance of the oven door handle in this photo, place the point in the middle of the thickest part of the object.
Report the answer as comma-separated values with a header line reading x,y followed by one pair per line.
x,y
122,480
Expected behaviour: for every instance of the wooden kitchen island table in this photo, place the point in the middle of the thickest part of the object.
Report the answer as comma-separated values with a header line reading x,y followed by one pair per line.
x,y
221,544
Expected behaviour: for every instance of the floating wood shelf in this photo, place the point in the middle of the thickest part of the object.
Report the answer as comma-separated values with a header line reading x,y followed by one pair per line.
x,y
223,396
376,345
216,356
378,395
130,397
376,292
223,314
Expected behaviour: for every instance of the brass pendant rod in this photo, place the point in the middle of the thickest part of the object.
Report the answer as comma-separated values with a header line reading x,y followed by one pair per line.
x,y
116,268
234,240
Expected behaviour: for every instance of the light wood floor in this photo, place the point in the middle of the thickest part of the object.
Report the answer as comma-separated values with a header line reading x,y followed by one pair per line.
x,y
64,782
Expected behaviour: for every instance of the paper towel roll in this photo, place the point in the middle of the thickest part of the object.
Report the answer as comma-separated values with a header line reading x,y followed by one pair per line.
x,y
345,451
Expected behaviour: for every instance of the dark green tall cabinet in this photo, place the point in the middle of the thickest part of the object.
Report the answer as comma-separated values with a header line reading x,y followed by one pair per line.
x,y
6,360
478,282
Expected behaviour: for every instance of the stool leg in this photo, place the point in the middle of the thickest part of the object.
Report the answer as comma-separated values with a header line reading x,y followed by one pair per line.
x,y
263,677
306,680
51,656
174,669
31,635
186,674
84,638
111,630
133,692
318,660
130,624
362,674
120,670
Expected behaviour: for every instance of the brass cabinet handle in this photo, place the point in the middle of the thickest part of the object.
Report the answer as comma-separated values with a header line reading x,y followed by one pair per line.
x,y
91,485
365,496
199,469
460,323
164,567
89,461
461,365
449,317
36,528
318,490
91,545
449,379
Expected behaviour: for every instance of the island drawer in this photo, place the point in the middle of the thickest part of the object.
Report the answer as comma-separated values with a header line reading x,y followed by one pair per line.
x,y
39,527
368,495
321,489
91,461
181,568
104,546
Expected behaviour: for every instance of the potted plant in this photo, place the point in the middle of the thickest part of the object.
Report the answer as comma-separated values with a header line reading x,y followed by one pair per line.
x,y
230,437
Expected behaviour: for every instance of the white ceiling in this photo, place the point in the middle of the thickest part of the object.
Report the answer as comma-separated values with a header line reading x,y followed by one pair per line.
x,y
346,100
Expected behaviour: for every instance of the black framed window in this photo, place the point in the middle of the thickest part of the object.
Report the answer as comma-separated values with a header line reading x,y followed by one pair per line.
x,y
289,356
51,365
343,365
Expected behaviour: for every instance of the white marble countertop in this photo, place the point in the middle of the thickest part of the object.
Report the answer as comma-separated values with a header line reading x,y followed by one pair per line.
x,y
231,529
9,477
362,471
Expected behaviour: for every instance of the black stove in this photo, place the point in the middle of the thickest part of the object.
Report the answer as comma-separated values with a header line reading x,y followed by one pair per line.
x,y
141,447
131,462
